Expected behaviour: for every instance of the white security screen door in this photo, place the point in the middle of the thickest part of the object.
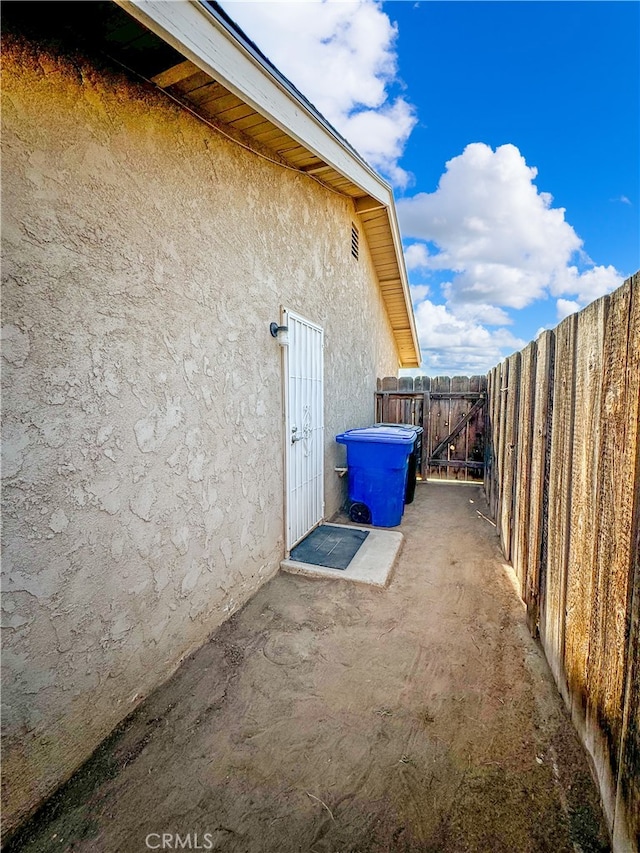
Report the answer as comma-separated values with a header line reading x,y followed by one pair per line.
x,y
304,428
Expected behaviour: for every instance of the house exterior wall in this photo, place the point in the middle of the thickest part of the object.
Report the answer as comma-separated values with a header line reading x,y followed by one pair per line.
x,y
144,257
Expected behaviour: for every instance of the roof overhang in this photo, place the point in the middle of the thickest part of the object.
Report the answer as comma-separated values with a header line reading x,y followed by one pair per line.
x,y
227,81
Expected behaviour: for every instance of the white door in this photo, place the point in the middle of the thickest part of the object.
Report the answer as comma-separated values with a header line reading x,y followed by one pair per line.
x,y
304,428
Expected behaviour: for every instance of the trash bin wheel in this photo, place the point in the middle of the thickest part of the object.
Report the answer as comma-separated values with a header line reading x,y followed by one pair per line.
x,y
360,513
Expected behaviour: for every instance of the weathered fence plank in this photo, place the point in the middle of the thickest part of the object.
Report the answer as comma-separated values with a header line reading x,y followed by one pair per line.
x,y
501,433
543,384
626,822
575,542
512,394
459,445
439,419
608,650
401,407
488,459
583,508
496,418
522,484
477,429
560,499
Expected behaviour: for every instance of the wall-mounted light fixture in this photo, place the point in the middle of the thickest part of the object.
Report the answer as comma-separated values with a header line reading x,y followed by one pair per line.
x,y
281,333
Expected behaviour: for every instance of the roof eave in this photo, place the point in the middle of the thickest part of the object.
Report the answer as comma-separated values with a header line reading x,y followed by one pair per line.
x,y
222,51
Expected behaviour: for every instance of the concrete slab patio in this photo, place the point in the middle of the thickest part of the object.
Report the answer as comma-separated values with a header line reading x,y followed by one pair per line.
x,y
328,716
373,562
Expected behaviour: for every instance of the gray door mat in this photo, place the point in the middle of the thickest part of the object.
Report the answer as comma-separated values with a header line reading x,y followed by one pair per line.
x,y
329,546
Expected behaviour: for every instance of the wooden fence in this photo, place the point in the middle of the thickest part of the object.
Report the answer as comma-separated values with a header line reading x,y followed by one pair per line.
x,y
563,483
451,412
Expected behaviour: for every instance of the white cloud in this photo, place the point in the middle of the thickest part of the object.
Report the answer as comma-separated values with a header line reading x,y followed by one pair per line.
x,y
380,136
416,256
490,315
505,243
565,307
341,56
588,285
453,345
419,292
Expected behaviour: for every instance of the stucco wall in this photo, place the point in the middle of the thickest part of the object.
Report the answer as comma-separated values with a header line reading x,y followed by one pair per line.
x,y
144,257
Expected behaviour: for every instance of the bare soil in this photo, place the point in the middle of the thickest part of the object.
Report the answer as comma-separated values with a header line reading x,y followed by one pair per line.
x,y
338,718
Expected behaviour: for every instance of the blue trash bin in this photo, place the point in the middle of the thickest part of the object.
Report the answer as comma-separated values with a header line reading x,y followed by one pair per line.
x,y
377,462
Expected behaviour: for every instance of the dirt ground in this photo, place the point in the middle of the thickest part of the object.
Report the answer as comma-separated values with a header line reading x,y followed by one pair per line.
x,y
331,717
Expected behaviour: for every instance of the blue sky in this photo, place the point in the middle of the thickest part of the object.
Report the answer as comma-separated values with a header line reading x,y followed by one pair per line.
x,y
510,133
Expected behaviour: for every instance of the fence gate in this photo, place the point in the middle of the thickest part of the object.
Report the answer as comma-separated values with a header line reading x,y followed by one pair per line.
x,y
451,410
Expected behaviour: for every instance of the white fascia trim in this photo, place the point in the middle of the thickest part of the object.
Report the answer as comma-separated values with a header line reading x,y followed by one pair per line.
x,y
196,34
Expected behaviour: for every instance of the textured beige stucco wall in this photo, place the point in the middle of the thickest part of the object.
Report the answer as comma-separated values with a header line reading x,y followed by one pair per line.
x,y
144,257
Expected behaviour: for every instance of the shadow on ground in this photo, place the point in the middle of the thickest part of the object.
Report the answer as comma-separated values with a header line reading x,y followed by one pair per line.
x,y
328,716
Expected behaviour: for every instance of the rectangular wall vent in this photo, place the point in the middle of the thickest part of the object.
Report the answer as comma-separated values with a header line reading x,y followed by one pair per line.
x,y
355,237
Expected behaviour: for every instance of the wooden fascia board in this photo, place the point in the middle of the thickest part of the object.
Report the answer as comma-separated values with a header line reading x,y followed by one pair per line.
x,y
189,27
